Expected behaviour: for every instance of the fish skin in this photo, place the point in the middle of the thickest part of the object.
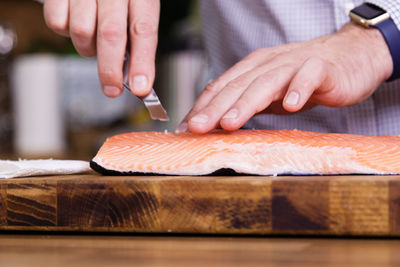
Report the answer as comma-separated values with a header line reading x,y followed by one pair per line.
x,y
255,152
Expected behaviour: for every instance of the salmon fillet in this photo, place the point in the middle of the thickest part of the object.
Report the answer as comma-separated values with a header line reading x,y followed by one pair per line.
x,y
259,152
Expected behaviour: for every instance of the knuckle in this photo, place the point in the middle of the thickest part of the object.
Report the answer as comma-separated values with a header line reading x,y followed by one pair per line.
x,y
111,31
306,80
260,54
56,24
213,107
277,76
82,31
316,60
288,68
319,64
89,53
196,109
245,103
268,78
86,52
199,105
306,83
139,61
211,88
144,28
108,76
255,107
235,84
144,60
146,54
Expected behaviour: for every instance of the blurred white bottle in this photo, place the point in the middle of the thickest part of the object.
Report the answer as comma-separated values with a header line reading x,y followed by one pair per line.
x,y
38,117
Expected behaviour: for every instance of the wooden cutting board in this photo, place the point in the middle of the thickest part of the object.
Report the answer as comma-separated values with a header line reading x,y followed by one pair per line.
x,y
328,205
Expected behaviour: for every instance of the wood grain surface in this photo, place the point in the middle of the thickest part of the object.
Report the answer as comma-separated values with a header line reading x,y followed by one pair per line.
x,y
172,251
3,205
329,205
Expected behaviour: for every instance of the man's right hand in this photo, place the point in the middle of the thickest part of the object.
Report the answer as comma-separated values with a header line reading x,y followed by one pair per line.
x,y
100,27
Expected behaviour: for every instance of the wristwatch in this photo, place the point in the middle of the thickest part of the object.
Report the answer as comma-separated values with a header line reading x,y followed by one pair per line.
x,y
372,16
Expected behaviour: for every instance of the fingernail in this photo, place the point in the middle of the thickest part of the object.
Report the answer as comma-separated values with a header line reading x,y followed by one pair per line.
x,y
231,114
112,91
292,99
139,84
200,118
182,128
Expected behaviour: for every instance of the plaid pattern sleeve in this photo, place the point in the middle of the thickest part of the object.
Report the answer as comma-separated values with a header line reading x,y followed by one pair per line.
x,y
391,6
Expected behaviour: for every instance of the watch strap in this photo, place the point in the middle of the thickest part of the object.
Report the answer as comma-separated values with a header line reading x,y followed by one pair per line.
x,y
391,34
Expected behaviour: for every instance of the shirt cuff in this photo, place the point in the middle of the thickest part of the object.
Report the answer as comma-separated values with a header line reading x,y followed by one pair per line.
x,y
390,6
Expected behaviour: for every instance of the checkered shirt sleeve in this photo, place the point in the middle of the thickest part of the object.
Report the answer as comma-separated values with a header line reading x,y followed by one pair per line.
x,y
391,6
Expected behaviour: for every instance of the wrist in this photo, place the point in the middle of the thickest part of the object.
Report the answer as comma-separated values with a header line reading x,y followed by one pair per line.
x,y
373,47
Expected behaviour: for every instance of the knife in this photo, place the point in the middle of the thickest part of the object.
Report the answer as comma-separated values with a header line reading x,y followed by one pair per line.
x,y
151,101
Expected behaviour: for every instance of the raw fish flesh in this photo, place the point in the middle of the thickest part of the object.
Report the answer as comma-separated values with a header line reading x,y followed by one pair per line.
x,y
255,152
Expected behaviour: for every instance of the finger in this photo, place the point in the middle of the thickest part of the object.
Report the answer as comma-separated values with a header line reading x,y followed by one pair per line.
x,y
143,28
269,87
220,104
233,79
56,15
111,44
308,79
82,26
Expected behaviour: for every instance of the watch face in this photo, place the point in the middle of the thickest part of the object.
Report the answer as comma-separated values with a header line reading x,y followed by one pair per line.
x,y
368,11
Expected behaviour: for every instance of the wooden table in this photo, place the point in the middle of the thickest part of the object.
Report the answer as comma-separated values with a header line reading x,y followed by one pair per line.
x,y
118,251
319,205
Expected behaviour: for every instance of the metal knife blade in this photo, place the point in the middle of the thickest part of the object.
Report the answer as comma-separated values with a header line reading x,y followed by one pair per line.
x,y
151,101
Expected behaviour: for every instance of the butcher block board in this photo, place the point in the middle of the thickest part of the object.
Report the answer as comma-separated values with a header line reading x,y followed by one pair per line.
x,y
312,205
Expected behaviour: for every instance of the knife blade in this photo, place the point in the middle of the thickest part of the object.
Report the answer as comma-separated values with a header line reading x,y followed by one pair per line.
x,y
151,101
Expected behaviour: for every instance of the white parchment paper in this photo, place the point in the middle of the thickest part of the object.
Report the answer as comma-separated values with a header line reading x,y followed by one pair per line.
x,y
24,168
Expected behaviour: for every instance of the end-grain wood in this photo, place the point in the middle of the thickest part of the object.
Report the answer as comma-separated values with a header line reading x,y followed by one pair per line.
x,y
243,205
394,206
3,205
106,203
334,205
32,203
187,205
359,207
299,206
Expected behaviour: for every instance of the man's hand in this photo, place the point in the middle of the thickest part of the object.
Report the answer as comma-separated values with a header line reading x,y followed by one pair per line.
x,y
101,27
337,70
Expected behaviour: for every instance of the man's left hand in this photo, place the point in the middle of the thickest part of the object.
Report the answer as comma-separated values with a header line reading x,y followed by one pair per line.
x,y
337,70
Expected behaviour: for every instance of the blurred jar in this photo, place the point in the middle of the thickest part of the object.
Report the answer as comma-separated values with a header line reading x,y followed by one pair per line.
x,y
7,43
38,116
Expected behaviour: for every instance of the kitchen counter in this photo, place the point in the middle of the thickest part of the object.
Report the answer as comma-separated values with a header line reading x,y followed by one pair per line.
x,y
175,251
290,205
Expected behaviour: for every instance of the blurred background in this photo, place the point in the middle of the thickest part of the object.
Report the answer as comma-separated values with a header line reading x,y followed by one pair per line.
x,y
51,104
